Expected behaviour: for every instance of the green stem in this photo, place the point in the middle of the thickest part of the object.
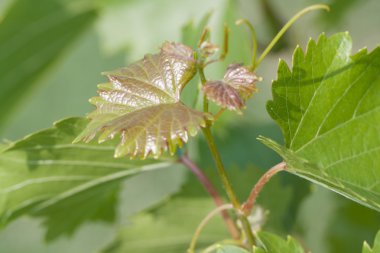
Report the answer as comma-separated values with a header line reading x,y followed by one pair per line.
x,y
287,26
220,167
203,80
254,41
227,185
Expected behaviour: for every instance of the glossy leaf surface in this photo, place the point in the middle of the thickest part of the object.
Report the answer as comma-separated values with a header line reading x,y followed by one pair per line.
x,y
46,175
328,109
238,84
142,104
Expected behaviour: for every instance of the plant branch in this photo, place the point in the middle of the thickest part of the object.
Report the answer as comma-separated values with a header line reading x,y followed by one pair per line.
x,y
248,205
227,185
287,26
209,187
203,81
220,167
204,223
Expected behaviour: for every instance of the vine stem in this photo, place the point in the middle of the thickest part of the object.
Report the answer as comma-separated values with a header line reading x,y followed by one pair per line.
x,y
287,26
220,167
185,160
248,205
227,185
203,81
204,222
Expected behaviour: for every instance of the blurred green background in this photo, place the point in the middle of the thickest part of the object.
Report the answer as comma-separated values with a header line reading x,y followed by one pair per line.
x,y
51,56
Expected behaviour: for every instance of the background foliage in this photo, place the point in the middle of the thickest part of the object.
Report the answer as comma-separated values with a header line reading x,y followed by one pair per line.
x,y
52,53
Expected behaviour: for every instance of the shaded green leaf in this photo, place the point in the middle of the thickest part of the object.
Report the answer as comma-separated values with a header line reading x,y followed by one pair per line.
x,y
142,104
376,245
31,39
342,225
271,243
328,110
46,175
169,228
238,84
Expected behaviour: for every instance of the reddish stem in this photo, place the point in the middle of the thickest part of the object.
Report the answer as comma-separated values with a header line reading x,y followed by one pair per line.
x,y
248,205
209,187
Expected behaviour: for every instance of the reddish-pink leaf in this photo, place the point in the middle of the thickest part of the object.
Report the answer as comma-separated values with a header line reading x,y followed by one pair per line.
x,y
238,84
223,95
141,104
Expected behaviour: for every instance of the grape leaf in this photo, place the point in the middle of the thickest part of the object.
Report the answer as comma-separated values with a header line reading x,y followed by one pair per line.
x,y
32,40
238,84
45,175
271,243
342,224
376,245
169,228
328,110
142,104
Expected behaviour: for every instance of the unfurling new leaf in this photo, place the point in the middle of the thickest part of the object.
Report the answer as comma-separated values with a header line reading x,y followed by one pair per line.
x,y
141,103
238,84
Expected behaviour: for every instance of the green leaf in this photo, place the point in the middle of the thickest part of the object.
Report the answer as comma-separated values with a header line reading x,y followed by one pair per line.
x,y
46,175
328,110
270,243
376,245
342,224
31,39
169,228
142,104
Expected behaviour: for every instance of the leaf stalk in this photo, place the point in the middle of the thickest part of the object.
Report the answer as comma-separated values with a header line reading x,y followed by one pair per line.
x,y
248,205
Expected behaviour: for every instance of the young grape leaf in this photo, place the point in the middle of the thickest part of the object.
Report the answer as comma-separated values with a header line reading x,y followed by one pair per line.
x,y
142,104
329,111
46,175
376,245
238,84
271,243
